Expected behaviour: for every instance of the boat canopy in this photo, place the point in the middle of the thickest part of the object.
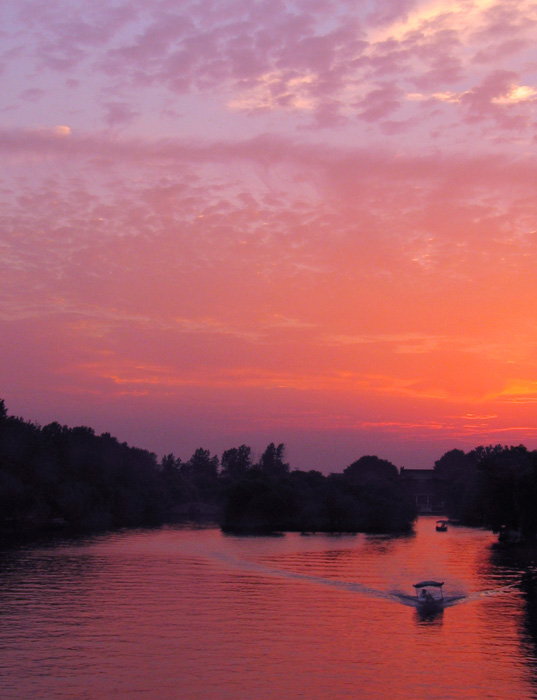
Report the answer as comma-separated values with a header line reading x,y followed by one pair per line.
x,y
428,584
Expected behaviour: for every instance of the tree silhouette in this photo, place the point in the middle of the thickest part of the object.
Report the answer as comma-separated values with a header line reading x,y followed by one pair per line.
x,y
271,461
236,462
201,472
370,468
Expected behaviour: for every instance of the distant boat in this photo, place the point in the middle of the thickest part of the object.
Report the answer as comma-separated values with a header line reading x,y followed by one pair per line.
x,y
509,535
441,525
426,601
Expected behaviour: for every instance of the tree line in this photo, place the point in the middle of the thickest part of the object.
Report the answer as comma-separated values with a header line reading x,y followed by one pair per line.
x,y
70,477
493,487
57,476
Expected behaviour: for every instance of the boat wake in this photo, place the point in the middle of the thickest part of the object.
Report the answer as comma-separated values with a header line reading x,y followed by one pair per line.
x,y
352,586
356,587
491,592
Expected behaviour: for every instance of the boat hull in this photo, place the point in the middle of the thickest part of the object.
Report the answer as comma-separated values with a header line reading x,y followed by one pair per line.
x,y
428,607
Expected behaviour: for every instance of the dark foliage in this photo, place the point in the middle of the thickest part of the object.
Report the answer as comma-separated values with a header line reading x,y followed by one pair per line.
x,y
236,462
370,469
308,501
56,476
69,476
271,462
493,486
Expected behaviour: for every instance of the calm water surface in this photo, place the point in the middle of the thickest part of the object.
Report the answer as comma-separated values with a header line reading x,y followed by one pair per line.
x,y
195,614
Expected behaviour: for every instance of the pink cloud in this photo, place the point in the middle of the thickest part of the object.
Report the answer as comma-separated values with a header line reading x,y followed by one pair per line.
x,y
501,51
66,36
329,115
313,62
384,208
119,114
387,13
481,102
380,103
32,94
503,22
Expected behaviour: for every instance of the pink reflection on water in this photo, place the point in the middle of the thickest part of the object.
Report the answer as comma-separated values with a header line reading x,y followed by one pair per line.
x,y
198,615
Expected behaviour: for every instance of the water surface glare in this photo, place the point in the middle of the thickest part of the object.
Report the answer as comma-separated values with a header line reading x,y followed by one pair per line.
x,y
198,615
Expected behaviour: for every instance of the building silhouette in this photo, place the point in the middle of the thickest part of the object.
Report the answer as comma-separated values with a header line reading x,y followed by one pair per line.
x,y
422,485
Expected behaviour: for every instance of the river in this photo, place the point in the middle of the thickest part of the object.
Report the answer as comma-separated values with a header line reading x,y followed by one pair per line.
x,y
193,614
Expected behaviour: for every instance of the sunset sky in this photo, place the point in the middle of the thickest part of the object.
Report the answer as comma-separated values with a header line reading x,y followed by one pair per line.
x,y
246,221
